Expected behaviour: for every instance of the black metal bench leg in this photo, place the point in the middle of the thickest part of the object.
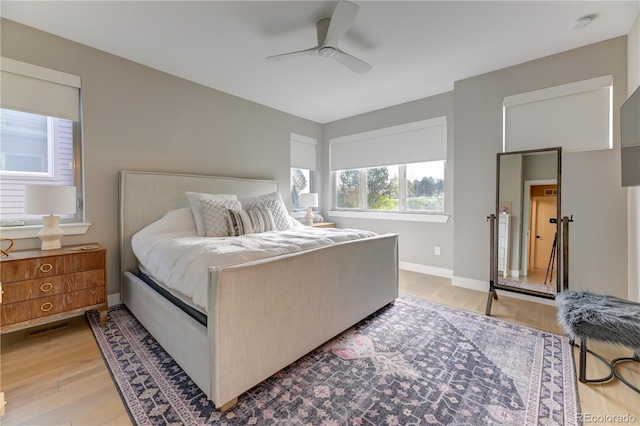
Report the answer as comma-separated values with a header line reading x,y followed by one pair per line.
x,y
635,358
583,365
583,361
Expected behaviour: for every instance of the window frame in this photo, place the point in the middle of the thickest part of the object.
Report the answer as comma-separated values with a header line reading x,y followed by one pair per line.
x,y
28,227
561,108
50,159
402,193
311,184
52,175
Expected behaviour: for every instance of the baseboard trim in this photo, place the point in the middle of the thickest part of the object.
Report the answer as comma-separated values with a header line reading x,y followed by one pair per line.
x,y
425,269
483,286
114,299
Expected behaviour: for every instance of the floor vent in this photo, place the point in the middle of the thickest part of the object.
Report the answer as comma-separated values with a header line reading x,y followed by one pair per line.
x,y
51,328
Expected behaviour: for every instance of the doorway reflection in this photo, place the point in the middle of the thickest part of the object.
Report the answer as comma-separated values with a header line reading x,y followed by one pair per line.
x,y
527,217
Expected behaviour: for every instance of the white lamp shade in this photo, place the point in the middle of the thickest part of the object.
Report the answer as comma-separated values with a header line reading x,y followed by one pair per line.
x,y
49,199
309,200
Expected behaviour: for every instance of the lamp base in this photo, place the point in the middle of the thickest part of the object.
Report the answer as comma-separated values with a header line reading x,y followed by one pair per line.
x,y
309,216
51,233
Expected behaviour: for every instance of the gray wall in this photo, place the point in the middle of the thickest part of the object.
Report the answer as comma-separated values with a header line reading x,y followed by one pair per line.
x,y
591,189
137,118
416,239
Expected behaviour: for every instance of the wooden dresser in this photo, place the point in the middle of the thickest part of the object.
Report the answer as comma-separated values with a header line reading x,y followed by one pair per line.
x,y
40,286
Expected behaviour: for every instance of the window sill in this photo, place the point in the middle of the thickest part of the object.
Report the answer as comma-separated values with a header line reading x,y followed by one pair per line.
x,y
405,217
31,231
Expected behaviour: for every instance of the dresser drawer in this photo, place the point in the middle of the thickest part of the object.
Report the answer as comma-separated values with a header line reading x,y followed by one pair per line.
x,y
48,266
12,313
15,312
66,302
31,289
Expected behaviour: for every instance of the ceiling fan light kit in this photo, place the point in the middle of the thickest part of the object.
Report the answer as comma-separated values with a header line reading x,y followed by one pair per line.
x,y
326,51
330,32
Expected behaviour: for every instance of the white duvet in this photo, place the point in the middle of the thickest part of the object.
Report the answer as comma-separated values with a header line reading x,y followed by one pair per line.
x,y
173,253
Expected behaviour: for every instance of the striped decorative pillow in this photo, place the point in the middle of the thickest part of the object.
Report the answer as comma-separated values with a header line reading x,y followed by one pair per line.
x,y
271,201
254,221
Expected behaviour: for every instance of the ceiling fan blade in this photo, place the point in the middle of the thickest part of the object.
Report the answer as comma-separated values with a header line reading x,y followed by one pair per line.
x,y
351,62
291,55
343,15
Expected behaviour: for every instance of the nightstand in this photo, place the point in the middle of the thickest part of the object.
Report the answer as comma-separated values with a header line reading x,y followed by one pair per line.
x,y
324,225
40,286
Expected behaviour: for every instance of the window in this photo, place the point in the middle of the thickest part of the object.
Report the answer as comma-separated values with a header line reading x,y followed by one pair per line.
x,y
303,166
40,134
301,183
348,189
396,169
425,186
575,116
414,188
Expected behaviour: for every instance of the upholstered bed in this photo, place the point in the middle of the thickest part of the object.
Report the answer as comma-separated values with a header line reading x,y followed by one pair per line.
x,y
261,315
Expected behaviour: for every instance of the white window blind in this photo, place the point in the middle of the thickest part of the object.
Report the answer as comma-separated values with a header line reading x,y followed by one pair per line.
x,y
303,152
575,116
419,141
38,90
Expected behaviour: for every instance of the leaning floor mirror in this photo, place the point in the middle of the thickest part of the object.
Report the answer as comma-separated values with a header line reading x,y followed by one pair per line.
x,y
526,247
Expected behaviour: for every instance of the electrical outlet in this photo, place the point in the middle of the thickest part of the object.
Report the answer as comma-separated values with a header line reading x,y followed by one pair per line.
x,y
436,251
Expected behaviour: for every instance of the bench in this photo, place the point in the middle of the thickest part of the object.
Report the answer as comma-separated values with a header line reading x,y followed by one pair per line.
x,y
584,315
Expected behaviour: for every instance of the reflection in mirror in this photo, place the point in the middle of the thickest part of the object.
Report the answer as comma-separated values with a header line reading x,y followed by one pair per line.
x,y
528,213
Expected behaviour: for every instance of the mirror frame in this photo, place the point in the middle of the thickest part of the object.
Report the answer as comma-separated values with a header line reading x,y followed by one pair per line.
x,y
559,249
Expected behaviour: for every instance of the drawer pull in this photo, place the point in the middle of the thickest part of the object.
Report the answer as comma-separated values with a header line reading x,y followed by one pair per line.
x,y
46,267
46,287
46,306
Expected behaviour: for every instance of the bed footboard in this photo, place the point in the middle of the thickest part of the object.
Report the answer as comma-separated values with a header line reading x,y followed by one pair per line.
x,y
264,315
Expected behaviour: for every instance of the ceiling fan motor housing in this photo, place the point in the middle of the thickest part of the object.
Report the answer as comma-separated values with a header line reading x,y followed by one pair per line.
x,y
326,51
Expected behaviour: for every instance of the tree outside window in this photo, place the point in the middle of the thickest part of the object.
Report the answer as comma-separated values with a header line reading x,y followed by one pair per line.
x,y
382,188
417,188
301,182
425,186
348,193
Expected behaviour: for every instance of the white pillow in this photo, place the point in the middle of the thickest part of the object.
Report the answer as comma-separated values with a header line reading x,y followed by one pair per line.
x,y
271,201
295,223
173,221
215,216
196,207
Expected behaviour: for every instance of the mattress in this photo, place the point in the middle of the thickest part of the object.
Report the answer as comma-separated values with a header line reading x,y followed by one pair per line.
x,y
171,251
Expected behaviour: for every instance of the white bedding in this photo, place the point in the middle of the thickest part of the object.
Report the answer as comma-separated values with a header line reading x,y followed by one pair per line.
x,y
171,250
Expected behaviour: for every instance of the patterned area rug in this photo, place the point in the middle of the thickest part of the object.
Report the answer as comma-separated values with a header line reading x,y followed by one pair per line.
x,y
415,362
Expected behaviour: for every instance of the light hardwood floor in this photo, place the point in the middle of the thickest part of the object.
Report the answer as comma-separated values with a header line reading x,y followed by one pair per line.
x,y
60,378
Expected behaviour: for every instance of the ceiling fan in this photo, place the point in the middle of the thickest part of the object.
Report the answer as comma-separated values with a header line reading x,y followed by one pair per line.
x,y
330,31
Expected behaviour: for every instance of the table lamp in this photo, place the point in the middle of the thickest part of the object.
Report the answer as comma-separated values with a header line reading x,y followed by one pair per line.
x,y
309,201
50,200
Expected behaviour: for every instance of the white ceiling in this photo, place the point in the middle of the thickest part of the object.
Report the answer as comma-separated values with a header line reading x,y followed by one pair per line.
x,y
417,48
